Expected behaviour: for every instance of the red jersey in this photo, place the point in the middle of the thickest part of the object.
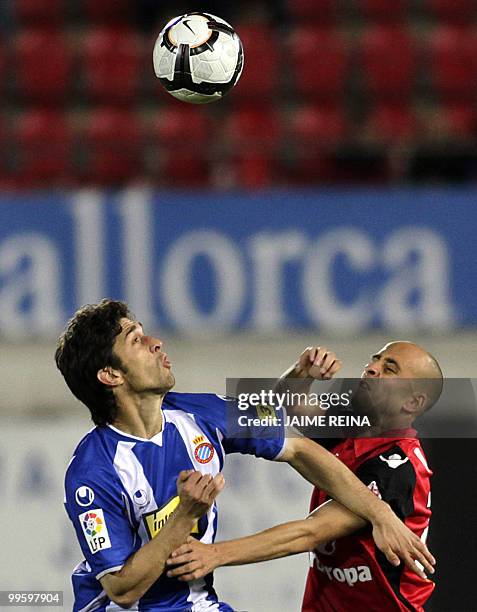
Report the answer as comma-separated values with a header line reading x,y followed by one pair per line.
x,y
351,574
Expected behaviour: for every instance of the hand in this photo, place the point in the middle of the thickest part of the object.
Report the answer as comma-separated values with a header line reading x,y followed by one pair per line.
x,y
194,560
317,362
397,542
198,491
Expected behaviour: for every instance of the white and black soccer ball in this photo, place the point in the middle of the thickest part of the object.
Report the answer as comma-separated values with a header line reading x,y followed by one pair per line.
x,y
198,58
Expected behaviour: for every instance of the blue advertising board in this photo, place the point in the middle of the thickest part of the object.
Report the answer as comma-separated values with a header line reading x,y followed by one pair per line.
x,y
340,261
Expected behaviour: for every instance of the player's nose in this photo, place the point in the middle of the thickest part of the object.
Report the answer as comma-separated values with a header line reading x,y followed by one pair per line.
x,y
155,345
372,371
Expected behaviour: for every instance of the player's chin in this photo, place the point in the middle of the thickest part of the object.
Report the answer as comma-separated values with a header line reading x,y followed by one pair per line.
x,y
169,380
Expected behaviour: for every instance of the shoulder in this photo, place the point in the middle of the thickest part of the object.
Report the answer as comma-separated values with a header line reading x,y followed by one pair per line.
x,y
92,459
207,407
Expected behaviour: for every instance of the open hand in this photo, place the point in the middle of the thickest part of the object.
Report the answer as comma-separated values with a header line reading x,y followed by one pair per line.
x,y
193,560
397,542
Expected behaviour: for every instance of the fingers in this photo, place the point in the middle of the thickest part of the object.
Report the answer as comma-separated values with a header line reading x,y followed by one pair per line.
x,y
391,556
184,475
179,552
422,558
187,571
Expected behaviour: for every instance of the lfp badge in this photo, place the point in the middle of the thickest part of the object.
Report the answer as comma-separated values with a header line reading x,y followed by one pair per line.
x,y
95,530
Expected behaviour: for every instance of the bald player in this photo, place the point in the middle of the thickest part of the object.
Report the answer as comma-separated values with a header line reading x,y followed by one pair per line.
x,y
347,572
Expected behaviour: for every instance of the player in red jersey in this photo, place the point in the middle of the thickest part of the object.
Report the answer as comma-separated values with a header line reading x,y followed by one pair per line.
x,y
347,571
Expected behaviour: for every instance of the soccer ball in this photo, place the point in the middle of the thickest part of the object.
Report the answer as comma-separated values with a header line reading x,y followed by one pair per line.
x,y
198,58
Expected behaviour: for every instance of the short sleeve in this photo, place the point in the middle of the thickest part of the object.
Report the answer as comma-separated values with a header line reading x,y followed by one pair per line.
x,y
258,431
96,506
391,476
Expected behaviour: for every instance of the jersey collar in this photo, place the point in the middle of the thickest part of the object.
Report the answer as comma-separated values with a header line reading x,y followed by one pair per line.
x,y
364,445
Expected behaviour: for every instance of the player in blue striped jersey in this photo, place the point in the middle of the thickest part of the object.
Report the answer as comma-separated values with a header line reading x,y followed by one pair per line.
x,y
128,495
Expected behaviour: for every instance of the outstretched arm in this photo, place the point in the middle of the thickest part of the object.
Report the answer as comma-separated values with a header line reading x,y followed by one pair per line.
x,y
193,559
329,522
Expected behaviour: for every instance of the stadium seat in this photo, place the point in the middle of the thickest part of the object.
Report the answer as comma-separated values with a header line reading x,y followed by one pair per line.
x,y
43,66
319,63
260,78
392,124
453,62
388,62
181,147
112,65
317,11
111,142
252,136
44,150
312,133
457,12
108,12
384,11
318,126
47,13
454,121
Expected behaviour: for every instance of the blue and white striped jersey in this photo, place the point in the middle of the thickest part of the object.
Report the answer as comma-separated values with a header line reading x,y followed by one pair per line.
x,y
121,489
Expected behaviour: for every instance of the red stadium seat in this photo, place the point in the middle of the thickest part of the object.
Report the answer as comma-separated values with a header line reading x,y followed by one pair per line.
x,y
252,135
43,66
384,11
181,141
44,150
389,61
455,121
108,11
112,139
313,132
453,62
319,63
318,126
4,65
40,12
317,11
453,11
392,124
260,78
112,65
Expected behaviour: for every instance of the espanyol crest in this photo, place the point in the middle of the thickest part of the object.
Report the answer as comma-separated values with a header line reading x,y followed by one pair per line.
x,y
204,452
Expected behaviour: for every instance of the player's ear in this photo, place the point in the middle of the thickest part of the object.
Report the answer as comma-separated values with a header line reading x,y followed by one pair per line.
x,y
109,376
415,403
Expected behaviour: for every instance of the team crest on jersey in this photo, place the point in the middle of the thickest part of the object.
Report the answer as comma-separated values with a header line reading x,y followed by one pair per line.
x,y
204,452
266,412
154,521
95,531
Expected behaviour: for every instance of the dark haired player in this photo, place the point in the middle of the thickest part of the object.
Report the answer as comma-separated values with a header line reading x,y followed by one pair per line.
x,y
121,493
347,572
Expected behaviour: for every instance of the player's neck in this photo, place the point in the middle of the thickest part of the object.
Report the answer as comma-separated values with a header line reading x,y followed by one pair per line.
x,y
140,416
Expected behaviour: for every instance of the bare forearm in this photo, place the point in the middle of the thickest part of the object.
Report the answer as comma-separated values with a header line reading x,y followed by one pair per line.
x,y
145,566
330,522
325,471
280,541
